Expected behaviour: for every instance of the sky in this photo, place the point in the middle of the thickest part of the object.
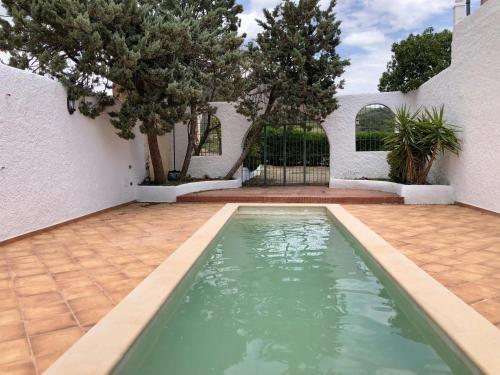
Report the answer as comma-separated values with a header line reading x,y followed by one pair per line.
x,y
369,28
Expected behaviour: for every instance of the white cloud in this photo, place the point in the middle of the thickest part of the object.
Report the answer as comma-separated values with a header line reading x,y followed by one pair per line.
x,y
369,27
252,11
373,25
364,39
249,24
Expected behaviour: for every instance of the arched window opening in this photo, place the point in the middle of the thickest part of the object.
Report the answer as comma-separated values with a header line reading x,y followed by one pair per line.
x,y
373,124
209,136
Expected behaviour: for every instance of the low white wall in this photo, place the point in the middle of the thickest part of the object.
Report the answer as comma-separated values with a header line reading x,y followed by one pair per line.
x,y
169,194
412,194
54,166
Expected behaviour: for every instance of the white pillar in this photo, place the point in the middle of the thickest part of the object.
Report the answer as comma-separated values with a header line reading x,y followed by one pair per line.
x,y
459,11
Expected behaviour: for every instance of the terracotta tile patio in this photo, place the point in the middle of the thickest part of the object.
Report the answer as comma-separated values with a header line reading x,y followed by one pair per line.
x,y
460,247
54,286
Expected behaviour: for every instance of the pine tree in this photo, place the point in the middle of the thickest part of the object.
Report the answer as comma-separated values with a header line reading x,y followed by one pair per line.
x,y
212,60
142,47
293,67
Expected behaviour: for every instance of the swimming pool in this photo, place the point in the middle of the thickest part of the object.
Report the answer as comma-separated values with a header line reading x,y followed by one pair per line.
x,y
285,290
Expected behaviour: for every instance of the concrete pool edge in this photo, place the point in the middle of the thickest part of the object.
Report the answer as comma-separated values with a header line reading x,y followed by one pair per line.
x,y
101,349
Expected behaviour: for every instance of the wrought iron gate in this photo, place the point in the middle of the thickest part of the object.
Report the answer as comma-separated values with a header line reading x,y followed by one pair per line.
x,y
289,153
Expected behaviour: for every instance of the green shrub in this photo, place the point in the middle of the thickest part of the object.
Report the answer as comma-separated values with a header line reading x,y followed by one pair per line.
x,y
418,139
316,146
371,140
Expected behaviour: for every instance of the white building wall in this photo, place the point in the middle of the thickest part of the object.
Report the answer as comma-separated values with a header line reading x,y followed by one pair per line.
x,y
54,166
470,91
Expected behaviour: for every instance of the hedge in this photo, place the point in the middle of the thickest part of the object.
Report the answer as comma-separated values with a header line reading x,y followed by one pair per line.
x,y
371,140
317,148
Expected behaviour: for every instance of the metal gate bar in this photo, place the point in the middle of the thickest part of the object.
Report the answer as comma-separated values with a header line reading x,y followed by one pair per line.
x,y
292,151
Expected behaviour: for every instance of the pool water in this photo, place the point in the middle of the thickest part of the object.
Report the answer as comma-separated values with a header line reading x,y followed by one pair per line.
x,y
288,294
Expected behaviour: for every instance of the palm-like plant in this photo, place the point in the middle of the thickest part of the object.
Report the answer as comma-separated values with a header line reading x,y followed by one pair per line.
x,y
402,144
417,141
438,137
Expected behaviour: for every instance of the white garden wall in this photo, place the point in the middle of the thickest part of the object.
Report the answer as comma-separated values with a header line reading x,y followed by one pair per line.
x,y
340,126
470,91
234,130
54,166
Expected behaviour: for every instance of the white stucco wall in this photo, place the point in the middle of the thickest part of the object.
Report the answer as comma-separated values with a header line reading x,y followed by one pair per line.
x,y
340,126
470,91
55,166
234,130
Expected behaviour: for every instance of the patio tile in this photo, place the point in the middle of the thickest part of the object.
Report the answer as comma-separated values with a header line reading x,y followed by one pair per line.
x,y
474,292
40,299
43,362
12,331
18,368
83,303
56,342
53,323
14,351
8,302
435,268
91,316
80,291
490,309
45,311
11,316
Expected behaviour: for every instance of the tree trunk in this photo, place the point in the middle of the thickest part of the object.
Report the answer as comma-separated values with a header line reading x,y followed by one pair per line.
x,y
204,137
259,125
255,137
425,172
154,152
193,123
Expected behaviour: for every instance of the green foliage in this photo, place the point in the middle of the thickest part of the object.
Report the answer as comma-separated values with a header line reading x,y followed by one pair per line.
x,y
373,123
418,139
272,139
371,140
292,68
165,55
316,145
417,59
374,117
293,65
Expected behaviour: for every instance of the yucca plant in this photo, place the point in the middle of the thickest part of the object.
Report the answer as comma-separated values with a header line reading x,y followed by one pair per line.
x,y
418,139
438,137
402,145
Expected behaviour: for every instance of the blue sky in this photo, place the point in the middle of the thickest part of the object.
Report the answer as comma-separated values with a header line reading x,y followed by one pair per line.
x,y
369,27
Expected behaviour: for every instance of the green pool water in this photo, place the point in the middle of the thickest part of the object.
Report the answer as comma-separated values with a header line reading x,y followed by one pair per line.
x,y
289,294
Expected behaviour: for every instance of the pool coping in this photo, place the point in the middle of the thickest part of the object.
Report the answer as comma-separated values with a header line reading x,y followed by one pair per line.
x,y
100,349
